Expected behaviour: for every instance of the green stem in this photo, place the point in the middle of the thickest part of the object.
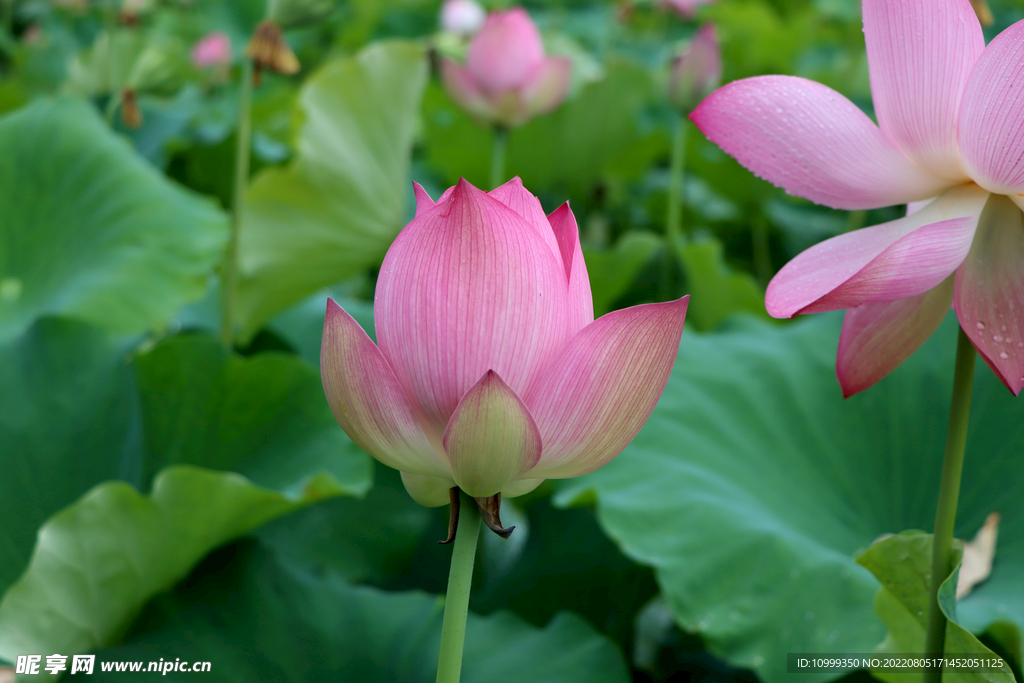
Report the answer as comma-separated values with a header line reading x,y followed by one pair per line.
x,y
762,255
456,603
229,282
676,198
949,492
111,109
498,155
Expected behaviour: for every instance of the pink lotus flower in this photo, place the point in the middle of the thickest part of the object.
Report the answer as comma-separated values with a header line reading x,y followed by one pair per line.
x,y
687,9
213,49
506,78
696,70
491,373
464,17
951,126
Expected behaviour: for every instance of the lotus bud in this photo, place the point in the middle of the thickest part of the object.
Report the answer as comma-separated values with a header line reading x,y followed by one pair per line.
x,y
212,50
490,373
464,17
157,70
696,70
507,79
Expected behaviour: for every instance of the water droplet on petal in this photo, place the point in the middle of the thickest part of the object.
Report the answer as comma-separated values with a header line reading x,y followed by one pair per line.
x,y
1004,355
997,337
981,325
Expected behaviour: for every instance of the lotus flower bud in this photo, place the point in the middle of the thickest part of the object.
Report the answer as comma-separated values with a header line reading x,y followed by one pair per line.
x,y
212,50
464,17
507,79
157,69
490,372
687,9
696,70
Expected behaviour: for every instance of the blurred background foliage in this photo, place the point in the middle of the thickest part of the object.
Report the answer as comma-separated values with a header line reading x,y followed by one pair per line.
x,y
164,495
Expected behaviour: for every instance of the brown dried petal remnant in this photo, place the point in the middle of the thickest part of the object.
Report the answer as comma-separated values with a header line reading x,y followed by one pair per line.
x,y
269,50
131,115
489,509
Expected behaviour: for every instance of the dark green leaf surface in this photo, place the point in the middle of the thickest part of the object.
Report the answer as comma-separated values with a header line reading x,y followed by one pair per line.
x,y
283,624
90,230
754,484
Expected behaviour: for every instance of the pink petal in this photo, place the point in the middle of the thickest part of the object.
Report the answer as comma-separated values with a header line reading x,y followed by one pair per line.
x,y
813,142
491,439
992,115
516,197
547,86
423,200
368,401
430,492
989,299
505,52
467,287
597,394
581,301
876,338
920,53
805,283
463,88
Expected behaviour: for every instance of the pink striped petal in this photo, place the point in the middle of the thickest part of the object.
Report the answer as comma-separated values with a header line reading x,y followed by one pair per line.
x,y
803,284
581,300
989,299
920,53
992,115
491,439
423,200
812,142
463,88
516,197
876,338
368,401
505,52
600,390
547,87
467,287
430,492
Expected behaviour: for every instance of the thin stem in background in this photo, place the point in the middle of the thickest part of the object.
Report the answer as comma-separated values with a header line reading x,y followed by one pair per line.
x,y
229,282
674,210
949,492
456,602
498,156
676,177
762,255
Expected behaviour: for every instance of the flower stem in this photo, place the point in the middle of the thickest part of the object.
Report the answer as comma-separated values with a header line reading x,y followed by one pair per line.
x,y
456,603
674,212
229,283
498,155
676,198
949,492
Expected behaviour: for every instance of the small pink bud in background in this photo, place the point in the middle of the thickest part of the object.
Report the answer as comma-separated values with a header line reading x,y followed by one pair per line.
x,y
464,17
507,79
687,9
696,70
214,49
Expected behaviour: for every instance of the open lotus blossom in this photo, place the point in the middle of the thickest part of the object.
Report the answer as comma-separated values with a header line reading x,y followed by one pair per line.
x,y
507,79
491,373
950,127
464,17
696,70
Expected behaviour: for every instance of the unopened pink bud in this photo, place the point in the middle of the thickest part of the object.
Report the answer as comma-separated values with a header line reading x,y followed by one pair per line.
x,y
214,49
696,70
